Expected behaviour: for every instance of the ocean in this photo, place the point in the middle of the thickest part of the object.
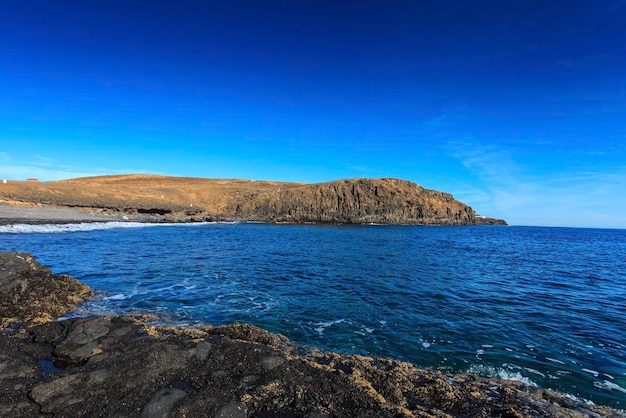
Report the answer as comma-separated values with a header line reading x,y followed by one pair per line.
x,y
545,306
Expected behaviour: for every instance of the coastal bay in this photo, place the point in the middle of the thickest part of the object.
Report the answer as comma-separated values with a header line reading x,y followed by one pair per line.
x,y
488,303
124,366
312,209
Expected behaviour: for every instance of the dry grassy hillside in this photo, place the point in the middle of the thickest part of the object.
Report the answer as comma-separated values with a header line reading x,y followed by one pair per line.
x,y
389,201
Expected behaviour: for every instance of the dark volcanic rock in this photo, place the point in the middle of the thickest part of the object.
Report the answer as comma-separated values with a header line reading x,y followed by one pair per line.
x,y
360,201
121,366
31,293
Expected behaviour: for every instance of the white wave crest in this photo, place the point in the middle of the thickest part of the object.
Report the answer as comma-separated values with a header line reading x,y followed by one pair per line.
x,y
92,226
57,228
320,327
503,374
609,386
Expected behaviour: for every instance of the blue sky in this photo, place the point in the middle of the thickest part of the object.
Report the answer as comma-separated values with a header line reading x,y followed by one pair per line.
x,y
517,108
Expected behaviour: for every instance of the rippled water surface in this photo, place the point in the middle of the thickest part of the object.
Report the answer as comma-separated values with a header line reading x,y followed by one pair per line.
x,y
543,305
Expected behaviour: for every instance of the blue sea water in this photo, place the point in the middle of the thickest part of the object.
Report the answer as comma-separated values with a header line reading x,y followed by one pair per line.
x,y
543,305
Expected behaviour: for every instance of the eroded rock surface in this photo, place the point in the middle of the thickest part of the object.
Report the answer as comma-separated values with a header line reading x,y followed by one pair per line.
x,y
121,366
30,292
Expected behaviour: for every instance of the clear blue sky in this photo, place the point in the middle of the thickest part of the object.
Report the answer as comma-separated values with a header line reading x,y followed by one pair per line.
x,y
518,108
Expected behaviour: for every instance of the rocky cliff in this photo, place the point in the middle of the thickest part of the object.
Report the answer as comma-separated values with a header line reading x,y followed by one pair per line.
x,y
161,198
384,201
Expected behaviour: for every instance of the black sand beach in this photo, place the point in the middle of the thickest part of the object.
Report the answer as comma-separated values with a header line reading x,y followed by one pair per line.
x,y
34,215
49,215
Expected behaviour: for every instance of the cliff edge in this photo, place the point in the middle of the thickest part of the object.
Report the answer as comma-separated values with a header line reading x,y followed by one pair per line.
x,y
361,201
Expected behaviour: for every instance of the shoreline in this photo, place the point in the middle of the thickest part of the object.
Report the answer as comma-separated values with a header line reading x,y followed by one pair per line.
x,y
52,215
122,366
45,214
13,215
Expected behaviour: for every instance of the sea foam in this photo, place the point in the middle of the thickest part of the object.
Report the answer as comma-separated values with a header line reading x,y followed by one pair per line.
x,y
500,373
81,227
57,228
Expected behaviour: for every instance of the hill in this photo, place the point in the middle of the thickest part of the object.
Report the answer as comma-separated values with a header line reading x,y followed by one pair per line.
x,y
185,199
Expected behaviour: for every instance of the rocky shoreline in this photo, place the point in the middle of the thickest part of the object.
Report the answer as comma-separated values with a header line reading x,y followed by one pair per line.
x,y
122,366
50,215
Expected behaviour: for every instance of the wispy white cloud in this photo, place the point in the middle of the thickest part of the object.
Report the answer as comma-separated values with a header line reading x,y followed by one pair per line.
x,y
23,172
47,169
569,197
488,161
44,161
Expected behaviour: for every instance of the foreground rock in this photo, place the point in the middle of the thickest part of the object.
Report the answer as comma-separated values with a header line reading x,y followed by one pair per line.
x,y
182,199
124,367
31,293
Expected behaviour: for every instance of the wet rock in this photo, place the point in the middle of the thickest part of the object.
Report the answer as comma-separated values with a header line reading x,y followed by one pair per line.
x,y
12,369
201,351
30,293
57,395
162,403
232,410
270,363
83,340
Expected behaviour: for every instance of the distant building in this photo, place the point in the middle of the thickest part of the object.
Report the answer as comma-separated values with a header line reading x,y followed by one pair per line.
x,y
32,179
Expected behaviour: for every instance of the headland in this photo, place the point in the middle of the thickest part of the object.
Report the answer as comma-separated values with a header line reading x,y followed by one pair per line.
x,y
152,198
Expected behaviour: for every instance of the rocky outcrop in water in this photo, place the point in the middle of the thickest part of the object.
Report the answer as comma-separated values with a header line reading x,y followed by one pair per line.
x,y
180,199
30,293
122,366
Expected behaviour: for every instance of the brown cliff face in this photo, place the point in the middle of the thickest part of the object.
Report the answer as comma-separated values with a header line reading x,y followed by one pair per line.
x,y
384,201
161,198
